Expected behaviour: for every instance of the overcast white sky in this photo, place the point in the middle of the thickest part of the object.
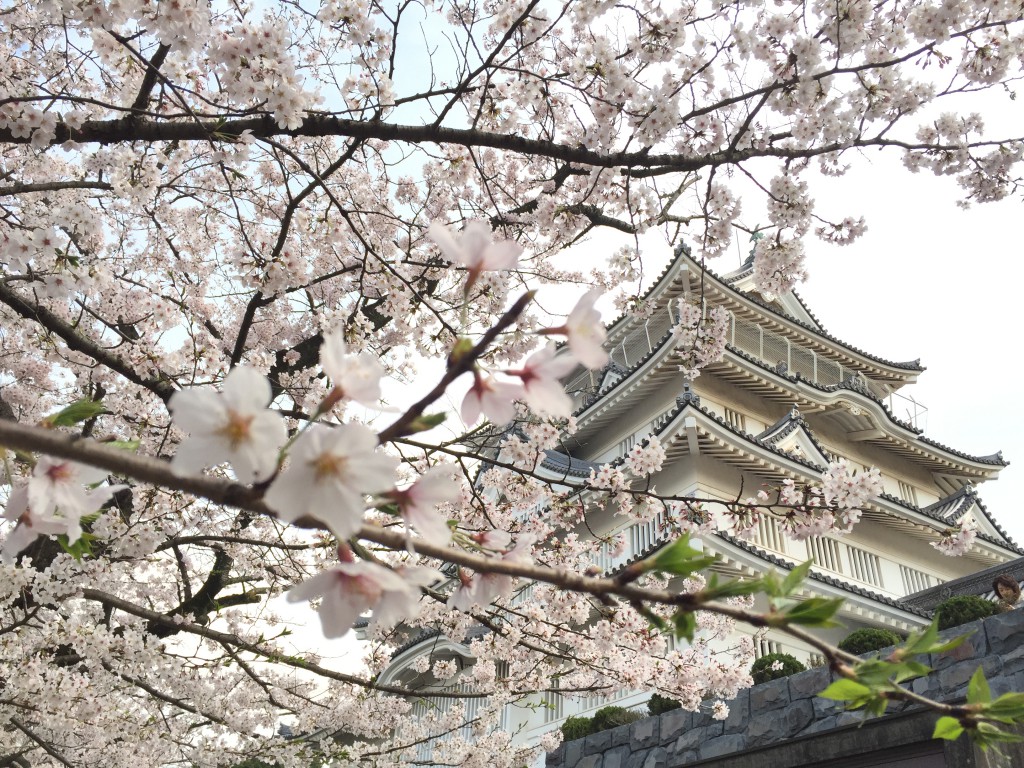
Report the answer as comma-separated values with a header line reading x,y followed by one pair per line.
x,y
934,281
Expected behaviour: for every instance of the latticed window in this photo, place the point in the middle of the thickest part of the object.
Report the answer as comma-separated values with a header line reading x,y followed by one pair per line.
x,y
768,534
864,566
825,553
915,580
747,337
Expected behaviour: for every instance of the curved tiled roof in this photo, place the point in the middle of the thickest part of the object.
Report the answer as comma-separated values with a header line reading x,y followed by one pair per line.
x,y
847,385
789,424
568,465
767,445
995,459
912,365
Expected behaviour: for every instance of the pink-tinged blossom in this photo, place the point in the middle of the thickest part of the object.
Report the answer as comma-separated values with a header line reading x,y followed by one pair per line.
x,y
494,399
53,502
233,426
59,484
646,458
419,502
330,472
350,589
958,541
586,332
481,589
400,604
475,249
542,390
354,376
29,525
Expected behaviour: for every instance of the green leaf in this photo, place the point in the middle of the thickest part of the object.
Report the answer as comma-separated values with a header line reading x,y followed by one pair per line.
x,y
123,445
685,625
1008,708
426,422
947,728
928,641
978,691
680,559
908,670
655,620
846,690
795,578
813,612
771,583
986,734
78,411
81,548
731,588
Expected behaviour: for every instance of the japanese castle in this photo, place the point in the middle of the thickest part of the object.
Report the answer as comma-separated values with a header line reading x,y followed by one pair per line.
x,y
786,399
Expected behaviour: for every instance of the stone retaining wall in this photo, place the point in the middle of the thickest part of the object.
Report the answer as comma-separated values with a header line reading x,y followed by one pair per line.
x,y
789,709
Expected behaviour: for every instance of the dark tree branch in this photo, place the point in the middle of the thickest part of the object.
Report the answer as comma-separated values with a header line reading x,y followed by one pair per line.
x,y
161,387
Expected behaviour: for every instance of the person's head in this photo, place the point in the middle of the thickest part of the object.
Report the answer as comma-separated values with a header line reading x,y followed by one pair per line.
x,y
1006,588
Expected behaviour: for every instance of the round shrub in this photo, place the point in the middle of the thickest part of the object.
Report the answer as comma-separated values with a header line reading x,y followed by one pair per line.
x,y
658,704
613,717
577,728
963,608
762,670
868,639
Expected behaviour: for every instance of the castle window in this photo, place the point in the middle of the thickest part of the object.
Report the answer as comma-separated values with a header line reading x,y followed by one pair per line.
x,y
825,553
908,492
627,445
736,419
864,566
915,580
768,534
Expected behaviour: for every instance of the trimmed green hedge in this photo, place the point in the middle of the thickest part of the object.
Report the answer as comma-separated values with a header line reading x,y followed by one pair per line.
x,y
869,639
659,704
607,717
762,670
963,608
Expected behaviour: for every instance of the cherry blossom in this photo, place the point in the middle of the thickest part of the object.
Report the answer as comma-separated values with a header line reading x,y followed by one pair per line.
x,y
350,589
475,249
29,525
419,502
585,332
330,472
355,377
958,541
493,399
196,188
540,375
233,426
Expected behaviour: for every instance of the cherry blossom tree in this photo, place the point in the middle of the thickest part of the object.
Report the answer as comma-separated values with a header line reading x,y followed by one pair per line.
x,y
247,252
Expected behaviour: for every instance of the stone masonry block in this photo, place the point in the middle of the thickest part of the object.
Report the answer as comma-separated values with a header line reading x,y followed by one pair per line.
x,y
770,695
644,733
723,745
673,724
739,713
597,742
616,757
806,685
620,735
